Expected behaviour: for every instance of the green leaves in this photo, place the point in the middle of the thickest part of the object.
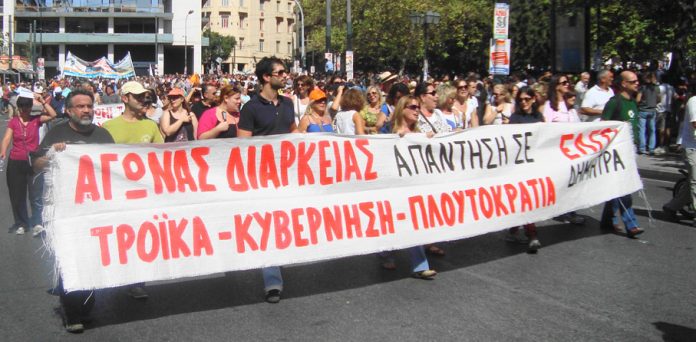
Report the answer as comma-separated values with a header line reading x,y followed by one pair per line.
x,y
219,46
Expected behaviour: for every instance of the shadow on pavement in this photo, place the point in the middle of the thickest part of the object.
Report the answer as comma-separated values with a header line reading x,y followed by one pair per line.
x,y
660,216
675,333
113,306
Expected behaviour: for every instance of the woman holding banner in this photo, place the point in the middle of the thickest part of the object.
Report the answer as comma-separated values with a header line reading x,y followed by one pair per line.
x,y
526,111
178,123
221,121
405,121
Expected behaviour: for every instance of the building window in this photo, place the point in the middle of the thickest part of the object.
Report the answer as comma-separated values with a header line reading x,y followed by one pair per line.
x,y
290,29
289,48
277,46
279,25
261,25
225,20
206,3
278,6
241,43
261,45
225,3
241,3
261,5
242,20
290,6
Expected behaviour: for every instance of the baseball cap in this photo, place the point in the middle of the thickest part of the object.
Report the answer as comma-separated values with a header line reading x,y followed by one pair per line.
x,y
176,92
316,95
133,87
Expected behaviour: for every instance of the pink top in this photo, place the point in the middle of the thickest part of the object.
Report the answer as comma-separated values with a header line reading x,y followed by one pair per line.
x,y
207,121
25,139
560,115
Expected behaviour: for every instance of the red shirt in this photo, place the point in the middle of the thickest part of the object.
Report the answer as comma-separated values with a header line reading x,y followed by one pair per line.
x,y
25,139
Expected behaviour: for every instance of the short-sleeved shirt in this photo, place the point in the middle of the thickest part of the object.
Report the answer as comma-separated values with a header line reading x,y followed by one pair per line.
x,y
198,108
563,114
627,111
142,131
596,98
25,139
62,132
263,117
648,100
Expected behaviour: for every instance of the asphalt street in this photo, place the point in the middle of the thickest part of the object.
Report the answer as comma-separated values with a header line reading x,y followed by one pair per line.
x,y
582,286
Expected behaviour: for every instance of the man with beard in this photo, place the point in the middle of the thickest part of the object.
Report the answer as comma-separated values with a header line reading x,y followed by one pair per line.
x,y
268,114
79,129
133,126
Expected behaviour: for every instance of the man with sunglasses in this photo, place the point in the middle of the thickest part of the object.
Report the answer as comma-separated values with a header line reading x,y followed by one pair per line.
x,y
134,127
622,107
267,113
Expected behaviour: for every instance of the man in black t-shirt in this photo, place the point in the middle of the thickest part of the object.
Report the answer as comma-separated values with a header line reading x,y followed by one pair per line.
x,y
79,129
268,114
208,101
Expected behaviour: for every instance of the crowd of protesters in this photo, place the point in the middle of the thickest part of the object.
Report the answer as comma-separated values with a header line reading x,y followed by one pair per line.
x,y
175,108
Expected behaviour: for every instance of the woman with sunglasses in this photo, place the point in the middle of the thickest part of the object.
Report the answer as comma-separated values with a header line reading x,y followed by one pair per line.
x,y
555,109
23,132
316,119
466,103
221,121
405,121
429,120
526,112
178,123
302,86
501,107
372,112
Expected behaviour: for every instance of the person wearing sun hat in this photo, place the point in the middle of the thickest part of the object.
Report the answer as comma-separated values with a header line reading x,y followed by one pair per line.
x,y
316,118
133,127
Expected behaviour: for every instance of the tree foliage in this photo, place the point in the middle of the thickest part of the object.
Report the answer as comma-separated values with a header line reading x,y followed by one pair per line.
x,y
384,38
219,46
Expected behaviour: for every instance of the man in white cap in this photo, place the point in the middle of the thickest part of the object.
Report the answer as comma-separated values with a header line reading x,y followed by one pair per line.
x,y
133,127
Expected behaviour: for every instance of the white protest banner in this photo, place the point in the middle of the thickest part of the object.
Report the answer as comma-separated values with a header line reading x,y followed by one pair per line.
x,y
103,113
121,214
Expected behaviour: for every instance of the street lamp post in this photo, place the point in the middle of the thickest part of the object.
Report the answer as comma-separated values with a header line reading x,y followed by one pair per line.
x,y
186,43
302,38
425,19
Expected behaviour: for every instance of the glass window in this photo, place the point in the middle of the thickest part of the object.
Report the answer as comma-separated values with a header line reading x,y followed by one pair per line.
x,y
261,45
261,5
225,20
277,46
225,3
261,25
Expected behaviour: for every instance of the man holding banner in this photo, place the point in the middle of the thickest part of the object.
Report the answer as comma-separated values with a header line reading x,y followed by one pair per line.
x,y
622,107
78,130
269,114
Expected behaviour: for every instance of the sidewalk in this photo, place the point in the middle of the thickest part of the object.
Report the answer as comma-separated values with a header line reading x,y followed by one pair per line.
x,y
665,167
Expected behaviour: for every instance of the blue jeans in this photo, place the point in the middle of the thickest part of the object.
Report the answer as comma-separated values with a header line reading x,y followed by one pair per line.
x,y
419,261
646,120
623,205
272,278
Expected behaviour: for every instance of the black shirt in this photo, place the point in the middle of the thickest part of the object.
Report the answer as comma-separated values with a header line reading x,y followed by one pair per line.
x,y
262,117
198,108
62,132
518,118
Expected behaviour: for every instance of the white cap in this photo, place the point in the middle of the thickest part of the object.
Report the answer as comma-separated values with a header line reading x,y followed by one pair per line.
x,y
25,93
